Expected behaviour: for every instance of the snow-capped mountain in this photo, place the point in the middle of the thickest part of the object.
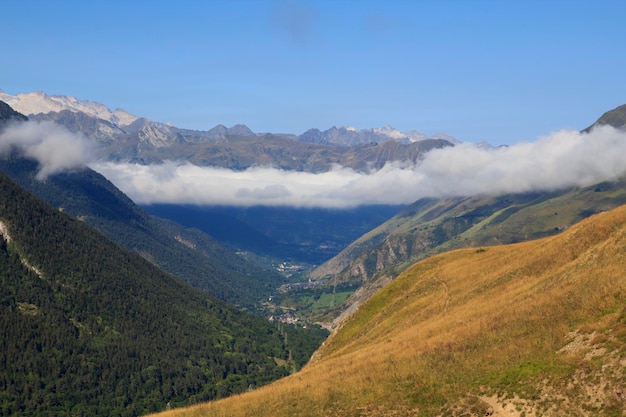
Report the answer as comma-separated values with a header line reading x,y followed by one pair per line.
x,y
122,137
396,134
40,102
109,128
118,121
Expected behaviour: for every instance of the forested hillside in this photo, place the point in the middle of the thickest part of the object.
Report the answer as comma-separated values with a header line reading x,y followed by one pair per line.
x,y
298,234
91,329
189,254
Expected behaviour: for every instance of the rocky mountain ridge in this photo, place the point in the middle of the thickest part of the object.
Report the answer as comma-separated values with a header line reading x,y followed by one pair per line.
x,y
350,136
122,133
153,143
615,118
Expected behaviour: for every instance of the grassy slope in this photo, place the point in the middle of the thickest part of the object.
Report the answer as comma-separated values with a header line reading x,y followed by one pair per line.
x,y
431,226
538,327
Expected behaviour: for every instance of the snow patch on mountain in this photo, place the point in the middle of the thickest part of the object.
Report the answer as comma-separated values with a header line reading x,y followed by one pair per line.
x,y
349,135
389,131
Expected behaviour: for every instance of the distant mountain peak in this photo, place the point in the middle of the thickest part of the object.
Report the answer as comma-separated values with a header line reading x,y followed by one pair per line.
x,y
445,136
615,118
220,131
390,131
240,130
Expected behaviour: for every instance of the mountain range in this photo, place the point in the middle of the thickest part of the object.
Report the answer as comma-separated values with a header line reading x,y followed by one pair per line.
x,y
40,102
123,137
349,136
186,253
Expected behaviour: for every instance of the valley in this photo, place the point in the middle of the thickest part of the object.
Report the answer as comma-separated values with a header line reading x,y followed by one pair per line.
x,y
474,332
299,236
290,241
304,208
456,305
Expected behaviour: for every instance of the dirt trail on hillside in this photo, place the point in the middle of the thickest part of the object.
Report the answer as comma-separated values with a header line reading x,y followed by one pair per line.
x,y
513,407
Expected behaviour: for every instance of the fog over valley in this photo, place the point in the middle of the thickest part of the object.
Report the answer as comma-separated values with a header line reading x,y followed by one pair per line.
x,y
561,159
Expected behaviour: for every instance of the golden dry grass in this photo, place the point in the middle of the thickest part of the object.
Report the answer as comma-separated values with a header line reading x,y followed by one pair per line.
x,y
467,324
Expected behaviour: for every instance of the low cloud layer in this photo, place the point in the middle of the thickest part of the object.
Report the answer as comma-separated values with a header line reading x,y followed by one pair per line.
x,y
55,148
560,160
563,159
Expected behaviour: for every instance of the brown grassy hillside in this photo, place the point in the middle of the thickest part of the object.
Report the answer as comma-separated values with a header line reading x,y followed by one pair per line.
x,y
531,329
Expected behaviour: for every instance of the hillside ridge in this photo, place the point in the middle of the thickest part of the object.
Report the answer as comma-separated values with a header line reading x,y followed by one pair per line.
x,y
473,332
92,329
431,226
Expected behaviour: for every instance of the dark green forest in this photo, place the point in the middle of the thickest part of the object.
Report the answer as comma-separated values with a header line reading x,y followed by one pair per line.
x,y
186,253
89,328
202,262
295,234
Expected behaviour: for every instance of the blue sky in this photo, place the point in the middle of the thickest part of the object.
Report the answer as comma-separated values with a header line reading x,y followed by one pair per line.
x,y
499,71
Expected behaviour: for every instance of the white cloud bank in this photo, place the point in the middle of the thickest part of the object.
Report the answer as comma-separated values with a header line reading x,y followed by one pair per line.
x,y
55,148
560,160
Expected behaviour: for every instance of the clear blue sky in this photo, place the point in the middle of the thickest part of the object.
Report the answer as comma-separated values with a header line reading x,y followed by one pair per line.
x,y
500,71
